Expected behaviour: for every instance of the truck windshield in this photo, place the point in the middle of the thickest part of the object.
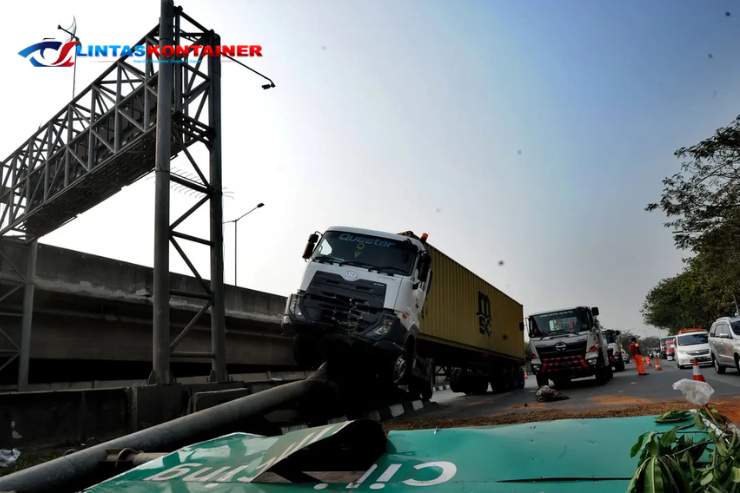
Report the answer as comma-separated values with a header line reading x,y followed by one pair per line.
x,y
370,252
563,322
609,336
693,339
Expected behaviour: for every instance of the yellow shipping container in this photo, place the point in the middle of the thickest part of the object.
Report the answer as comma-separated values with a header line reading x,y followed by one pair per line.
x,y
465,311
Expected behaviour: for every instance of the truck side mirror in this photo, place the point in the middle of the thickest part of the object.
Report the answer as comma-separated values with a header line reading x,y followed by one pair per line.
x,y
595,311
521,326
616,332
310,246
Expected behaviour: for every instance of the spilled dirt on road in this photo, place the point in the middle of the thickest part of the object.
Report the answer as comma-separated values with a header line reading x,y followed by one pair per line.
x,y
729,407
619,400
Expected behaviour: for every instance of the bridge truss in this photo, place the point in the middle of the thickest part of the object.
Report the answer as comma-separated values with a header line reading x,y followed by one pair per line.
x,y
129,122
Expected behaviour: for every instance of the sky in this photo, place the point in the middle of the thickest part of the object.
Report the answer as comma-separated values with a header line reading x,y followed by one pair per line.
x,y
530,132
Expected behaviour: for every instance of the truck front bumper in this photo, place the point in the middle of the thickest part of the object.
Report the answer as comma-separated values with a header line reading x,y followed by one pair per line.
x,y
576,366
384,342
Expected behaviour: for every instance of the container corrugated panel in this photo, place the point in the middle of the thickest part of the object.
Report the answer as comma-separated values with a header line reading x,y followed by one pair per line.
x,y
465,311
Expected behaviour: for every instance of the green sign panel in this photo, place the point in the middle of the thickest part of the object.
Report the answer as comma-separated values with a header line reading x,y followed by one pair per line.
x,y
568,456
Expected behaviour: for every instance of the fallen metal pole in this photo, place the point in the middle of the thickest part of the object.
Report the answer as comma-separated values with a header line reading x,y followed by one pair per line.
x,y
68,473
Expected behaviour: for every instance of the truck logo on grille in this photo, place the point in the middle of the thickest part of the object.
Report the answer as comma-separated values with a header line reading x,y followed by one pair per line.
x,y
350,274
560,346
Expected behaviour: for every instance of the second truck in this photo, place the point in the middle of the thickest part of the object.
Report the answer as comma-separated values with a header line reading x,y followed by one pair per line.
x,y
393,305
567,344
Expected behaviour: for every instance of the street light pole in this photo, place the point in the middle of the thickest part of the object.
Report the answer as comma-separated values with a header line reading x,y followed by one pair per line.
x,y
236,236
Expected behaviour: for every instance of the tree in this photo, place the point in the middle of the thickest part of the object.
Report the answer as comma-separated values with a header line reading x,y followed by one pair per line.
x,y
696,297
705,194
527,351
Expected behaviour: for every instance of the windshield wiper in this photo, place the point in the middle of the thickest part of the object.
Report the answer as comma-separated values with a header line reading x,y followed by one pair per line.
x,y
391,268
355,263
326,258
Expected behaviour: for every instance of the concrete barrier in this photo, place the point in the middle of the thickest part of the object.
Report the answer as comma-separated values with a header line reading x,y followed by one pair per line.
x,y
51,418
67,416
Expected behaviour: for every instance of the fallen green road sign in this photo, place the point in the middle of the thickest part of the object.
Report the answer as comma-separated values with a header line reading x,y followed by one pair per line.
x,y
568,456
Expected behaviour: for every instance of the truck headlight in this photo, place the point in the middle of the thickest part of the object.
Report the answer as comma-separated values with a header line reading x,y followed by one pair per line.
x,y
385,327
294,306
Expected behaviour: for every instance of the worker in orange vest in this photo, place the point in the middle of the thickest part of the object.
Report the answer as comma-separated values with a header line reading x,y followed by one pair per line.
x,y
637,356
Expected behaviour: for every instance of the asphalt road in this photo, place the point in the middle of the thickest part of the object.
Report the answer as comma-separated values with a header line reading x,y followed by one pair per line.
x,y
625,389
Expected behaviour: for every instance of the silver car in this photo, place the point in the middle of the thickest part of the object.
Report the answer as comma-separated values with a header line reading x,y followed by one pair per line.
x,y
724,342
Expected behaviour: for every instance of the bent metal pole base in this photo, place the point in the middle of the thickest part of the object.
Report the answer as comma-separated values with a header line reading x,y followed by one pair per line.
x,y
70,473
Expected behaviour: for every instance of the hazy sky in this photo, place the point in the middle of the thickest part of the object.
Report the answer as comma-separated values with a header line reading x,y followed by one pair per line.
x,y
530,132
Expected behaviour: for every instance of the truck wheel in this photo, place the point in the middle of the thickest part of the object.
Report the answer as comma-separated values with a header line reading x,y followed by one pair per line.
x,y
306,352
619,366
561,382
542,380
601,377
609,373
427,389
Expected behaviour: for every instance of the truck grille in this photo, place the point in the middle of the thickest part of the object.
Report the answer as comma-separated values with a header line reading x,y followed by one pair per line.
x,y
331,300
571,349
564,363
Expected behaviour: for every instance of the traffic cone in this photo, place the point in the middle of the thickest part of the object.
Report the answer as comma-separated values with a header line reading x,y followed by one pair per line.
x,y
657,364
698,377
525,374
647,361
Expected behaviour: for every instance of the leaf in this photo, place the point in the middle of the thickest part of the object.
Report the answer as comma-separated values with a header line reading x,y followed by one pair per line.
x,y
652,447
699,422
636,478
668,438
673,416
653,476
636,447
707,478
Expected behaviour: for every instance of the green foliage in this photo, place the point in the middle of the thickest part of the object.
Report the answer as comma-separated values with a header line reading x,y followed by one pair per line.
x,y
695,298
705,194
527,351
702,203
672,463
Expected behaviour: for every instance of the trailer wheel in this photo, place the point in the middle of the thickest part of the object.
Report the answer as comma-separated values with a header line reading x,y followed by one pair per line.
x,y
510,378
455,380
427,390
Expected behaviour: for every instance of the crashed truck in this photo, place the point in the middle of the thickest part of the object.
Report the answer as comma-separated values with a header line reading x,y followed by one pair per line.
x,y
398,307
567,344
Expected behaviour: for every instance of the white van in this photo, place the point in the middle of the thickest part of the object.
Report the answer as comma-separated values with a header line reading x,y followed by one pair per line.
x,y
692,344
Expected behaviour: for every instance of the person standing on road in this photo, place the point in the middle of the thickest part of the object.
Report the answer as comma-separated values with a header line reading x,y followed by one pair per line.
x,y
635,351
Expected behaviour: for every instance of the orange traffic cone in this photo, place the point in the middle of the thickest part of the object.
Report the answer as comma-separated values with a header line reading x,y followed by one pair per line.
x,y
647,361
525,374
657,364
698,377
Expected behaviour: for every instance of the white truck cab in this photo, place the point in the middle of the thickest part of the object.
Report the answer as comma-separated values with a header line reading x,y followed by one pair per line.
x,y
567,344
360,298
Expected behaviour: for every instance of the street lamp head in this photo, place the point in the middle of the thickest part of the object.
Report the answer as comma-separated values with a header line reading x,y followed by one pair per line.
x,y
260,205
268,86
